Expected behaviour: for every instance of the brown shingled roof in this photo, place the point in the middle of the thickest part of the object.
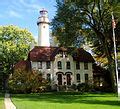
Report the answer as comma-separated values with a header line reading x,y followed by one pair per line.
x,y
23,64
39,53
82,56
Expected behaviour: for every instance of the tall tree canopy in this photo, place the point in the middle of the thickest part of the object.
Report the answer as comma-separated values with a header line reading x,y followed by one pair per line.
x,y
89,19
15,44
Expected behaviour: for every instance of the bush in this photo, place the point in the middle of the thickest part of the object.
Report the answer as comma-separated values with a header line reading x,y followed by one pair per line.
x,y
84,87
62,88
74,86
23,81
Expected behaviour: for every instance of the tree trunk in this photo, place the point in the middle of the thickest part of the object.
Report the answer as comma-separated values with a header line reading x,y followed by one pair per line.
x,y
112,75
111,65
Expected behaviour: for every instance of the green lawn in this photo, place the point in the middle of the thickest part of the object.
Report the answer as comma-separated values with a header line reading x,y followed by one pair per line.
x,y
66,101
1,101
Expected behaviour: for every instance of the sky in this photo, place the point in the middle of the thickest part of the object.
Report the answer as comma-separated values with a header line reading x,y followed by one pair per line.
x,y
25,13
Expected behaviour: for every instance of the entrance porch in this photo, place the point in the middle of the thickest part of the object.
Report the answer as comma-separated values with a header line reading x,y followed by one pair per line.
x,y
64,78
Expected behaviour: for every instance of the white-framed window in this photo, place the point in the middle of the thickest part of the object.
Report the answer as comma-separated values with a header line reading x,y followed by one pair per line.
x,y
59,64
40,65
48,65
77,65
78,77
67,65
48,77
86,78
85,65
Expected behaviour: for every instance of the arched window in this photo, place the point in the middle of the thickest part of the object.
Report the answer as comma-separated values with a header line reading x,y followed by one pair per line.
x,y
59,79
68,76
67,65
78,77
59,64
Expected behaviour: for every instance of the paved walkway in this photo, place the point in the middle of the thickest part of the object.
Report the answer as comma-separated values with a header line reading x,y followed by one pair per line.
x,y
8,103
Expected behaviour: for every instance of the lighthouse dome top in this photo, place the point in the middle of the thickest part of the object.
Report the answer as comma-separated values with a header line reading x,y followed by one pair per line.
x,y
43,12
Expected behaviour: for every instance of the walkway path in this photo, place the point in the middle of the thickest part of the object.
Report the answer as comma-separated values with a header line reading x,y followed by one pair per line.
x,y
8,103
119,88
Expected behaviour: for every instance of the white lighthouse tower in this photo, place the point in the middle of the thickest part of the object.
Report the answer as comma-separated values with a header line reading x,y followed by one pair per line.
x,y
43,29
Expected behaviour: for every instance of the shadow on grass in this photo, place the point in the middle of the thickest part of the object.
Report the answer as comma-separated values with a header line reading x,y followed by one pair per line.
x,y
2,101
102,99
1,96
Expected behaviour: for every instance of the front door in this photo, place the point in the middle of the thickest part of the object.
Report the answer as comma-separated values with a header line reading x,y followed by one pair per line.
x,y
68,79
59,79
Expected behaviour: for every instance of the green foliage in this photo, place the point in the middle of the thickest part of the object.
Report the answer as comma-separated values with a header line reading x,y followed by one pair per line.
x,y
84,87
66,25
23,81
89,20
15,44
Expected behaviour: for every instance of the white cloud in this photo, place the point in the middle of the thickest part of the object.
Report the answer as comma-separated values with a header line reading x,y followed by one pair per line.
x,y
14,14
30,4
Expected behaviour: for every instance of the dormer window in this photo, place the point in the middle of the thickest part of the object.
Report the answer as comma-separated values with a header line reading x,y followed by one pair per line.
x,y
61,54
65,54
67,65
59,64
48,65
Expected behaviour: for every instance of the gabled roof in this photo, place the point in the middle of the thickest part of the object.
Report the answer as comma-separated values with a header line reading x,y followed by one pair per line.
x,y
39,53
43,53
82,56
23,64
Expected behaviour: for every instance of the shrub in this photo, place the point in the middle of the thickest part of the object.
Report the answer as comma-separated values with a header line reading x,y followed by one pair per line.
x,y
61,88
74,86
23,81
84,87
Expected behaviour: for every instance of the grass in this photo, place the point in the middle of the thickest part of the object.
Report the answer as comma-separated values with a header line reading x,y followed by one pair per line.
x,y
1,101
66,101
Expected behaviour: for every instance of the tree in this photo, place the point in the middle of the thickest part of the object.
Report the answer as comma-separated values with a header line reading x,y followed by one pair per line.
x,y
23,81
15,45
26,80
89,18
66,25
